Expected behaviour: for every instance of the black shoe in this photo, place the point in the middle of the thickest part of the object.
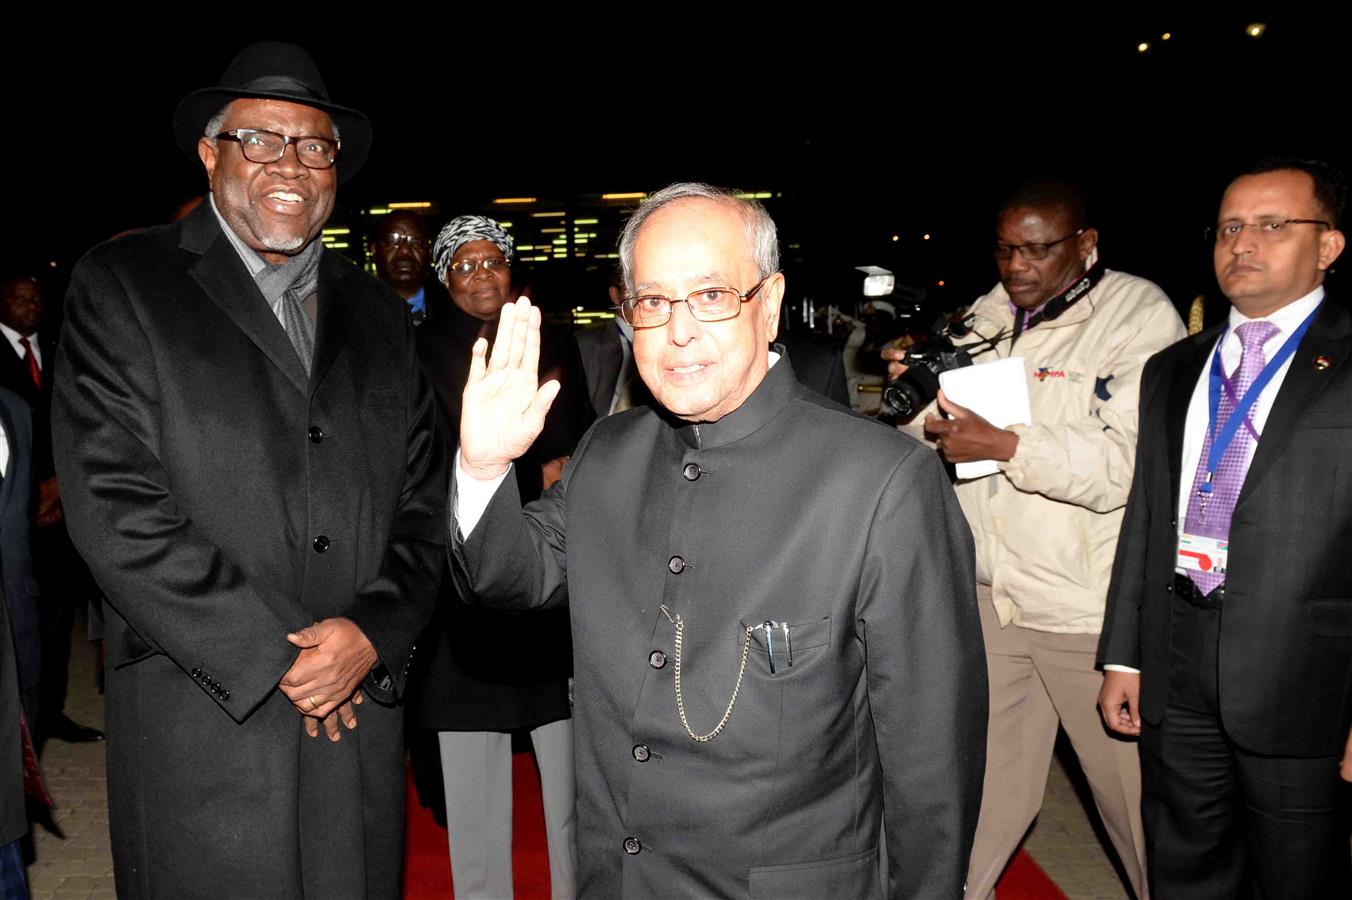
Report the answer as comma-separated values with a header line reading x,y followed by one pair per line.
x,y
63,729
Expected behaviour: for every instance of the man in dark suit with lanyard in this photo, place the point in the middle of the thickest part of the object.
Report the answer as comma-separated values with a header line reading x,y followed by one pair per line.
x,y
1228,640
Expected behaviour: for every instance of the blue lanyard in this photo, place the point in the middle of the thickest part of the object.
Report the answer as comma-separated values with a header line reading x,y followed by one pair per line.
x,y
1239,415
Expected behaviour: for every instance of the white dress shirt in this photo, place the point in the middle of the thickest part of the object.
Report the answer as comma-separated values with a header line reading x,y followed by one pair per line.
x,y
14,336
1287,319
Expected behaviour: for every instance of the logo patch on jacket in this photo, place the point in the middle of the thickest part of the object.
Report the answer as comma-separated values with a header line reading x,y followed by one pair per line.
x,y
1044,372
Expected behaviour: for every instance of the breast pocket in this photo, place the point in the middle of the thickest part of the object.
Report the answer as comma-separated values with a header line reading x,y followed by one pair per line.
x,y
779,648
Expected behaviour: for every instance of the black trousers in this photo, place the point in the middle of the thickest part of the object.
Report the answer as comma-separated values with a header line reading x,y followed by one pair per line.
x,y
66,586
1221,822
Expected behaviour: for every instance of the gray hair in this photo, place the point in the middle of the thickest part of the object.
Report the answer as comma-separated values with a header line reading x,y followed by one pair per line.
x,y
761,234
216,124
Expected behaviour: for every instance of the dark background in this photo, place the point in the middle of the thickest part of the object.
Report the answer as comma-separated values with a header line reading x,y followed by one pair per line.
x,y
865,125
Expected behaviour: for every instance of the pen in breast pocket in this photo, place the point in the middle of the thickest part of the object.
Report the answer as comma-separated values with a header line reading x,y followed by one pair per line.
x,y
770,628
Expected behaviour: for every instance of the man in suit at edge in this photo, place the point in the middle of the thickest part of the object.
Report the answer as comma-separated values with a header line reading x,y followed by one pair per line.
x,y
250,469
1227,644
19,640
67,585
772,656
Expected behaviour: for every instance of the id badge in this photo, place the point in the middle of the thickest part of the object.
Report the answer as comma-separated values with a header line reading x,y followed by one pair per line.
x,y
1202,554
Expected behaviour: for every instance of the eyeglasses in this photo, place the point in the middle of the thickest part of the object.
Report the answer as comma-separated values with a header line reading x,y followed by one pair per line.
x,y
706,305
258,146
468,267
1266,231
412,241
1032,252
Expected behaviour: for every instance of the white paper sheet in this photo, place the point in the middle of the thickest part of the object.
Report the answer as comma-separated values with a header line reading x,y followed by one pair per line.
x,y
998,392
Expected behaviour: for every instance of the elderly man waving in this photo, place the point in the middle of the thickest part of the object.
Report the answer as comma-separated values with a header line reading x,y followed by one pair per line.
x,y
773,656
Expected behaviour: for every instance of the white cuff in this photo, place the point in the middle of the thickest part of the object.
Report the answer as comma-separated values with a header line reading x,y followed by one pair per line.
x,y
1109,667
472,497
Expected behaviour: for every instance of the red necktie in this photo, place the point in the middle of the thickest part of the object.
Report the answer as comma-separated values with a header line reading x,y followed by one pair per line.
x,y
33,369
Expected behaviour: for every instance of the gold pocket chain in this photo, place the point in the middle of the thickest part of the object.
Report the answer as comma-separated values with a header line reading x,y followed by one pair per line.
x,y
680,702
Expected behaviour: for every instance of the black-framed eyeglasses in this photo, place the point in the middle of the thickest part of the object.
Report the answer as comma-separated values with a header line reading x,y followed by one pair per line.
x,y
467,267
1265,230
260,146
412,241
1032,252
713,304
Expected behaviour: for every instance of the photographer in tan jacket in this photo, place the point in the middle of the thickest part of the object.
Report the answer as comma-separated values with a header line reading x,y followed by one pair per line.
x,y
1046,524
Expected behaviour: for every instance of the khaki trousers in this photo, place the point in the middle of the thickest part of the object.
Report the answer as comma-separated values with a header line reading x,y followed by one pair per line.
x,y
1038,679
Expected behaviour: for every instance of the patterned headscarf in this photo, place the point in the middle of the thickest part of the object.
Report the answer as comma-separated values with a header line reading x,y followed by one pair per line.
x,y
459,232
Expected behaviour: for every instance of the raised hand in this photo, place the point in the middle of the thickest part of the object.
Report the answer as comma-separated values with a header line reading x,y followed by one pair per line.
x,y
503,407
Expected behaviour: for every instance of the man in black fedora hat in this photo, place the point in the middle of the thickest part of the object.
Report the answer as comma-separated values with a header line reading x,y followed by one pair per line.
x,y
255,482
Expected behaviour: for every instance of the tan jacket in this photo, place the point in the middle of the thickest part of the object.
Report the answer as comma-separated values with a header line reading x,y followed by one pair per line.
x,y
1046,525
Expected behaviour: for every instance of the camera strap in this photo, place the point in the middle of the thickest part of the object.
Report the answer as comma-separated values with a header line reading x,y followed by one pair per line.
x,y
1056,306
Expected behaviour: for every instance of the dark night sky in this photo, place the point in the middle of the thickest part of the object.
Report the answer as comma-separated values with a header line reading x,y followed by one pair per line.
x,y
870,125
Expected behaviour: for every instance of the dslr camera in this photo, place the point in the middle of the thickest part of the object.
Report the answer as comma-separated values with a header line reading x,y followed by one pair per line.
x,y
917,387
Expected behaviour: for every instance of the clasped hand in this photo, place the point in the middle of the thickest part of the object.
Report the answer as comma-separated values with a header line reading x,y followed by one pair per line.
x,y
504,405
322,683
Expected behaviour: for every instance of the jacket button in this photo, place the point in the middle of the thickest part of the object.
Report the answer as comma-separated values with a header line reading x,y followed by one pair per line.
x,y
641,753
225,695
632,846
692,471
657,659
1169,588
676,565
196,673
321,543
316,434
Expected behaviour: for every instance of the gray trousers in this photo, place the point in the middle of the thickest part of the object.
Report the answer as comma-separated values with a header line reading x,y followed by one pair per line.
x,y
477,769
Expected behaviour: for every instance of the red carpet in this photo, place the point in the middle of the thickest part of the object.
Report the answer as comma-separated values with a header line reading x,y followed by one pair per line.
x,y
427,862
1025,880
427,865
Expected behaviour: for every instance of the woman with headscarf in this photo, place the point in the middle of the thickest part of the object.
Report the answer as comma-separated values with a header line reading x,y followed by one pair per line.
x,y
486,674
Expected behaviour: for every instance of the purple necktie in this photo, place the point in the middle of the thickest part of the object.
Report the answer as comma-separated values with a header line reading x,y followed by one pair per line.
x,y
1212,517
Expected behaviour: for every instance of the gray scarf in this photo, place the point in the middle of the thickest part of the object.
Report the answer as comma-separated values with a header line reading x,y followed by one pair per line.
x,y
292,290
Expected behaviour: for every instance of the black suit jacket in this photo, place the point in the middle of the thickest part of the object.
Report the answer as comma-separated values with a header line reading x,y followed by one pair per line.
x,y
19,641
15,376
1285,665
602,360
16,558
223,497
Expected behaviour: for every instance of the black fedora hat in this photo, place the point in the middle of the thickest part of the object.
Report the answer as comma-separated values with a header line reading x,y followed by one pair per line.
x,y
272,70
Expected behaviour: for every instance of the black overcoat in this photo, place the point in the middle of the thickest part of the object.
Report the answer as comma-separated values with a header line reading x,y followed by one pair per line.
x,y
222,499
